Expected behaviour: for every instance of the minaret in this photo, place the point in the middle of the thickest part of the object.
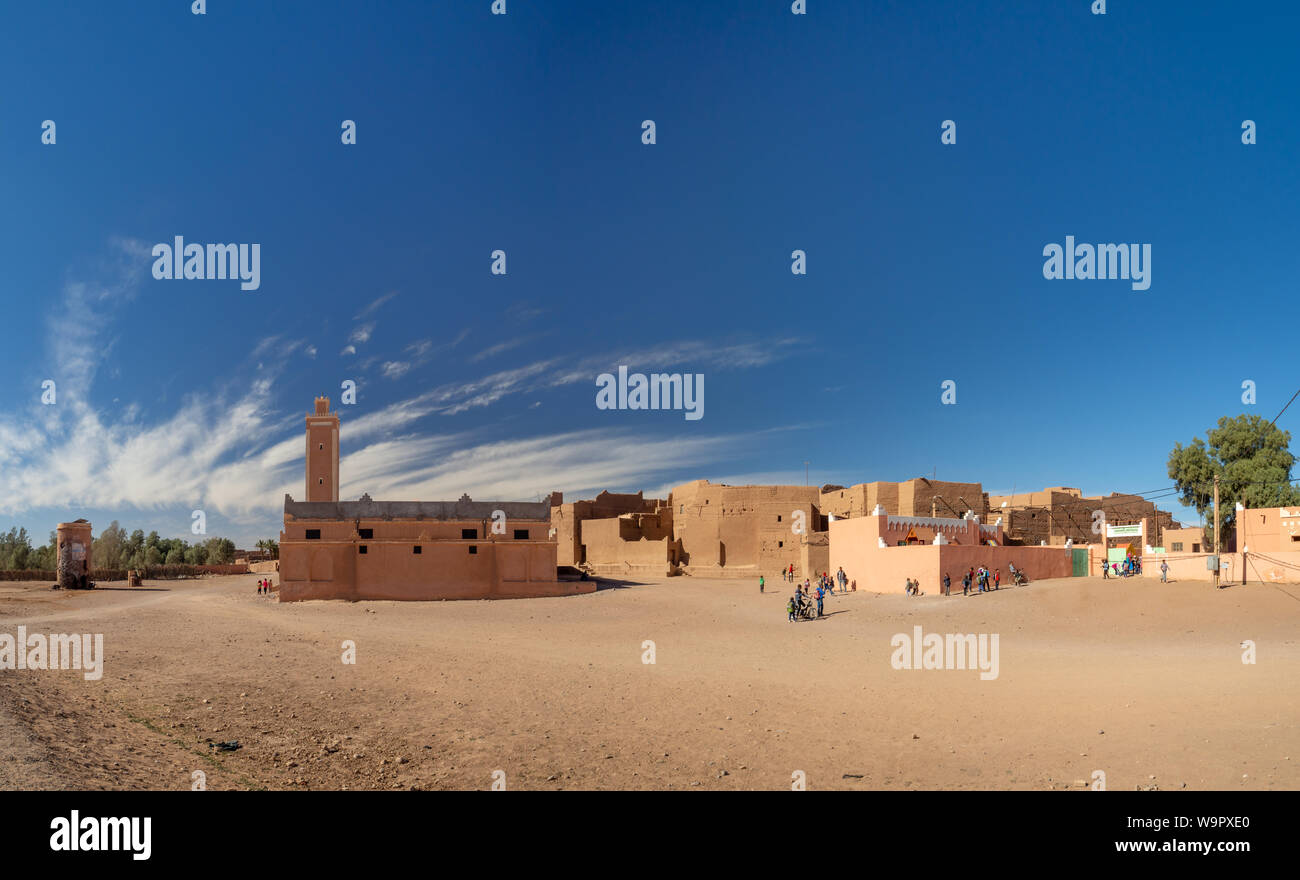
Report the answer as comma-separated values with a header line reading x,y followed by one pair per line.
x,y
322,453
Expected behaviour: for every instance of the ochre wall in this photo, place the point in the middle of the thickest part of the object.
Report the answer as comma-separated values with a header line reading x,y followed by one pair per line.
x,y
333,566
854,546
567,520
741,531
628,543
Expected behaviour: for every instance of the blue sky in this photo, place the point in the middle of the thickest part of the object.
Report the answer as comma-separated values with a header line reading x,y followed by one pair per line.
x,y
522,132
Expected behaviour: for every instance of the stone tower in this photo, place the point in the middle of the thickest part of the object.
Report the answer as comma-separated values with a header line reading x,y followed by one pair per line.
x,y
323,453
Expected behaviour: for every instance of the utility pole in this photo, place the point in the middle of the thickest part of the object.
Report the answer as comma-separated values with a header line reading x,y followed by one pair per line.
x,y
1218,564
805,473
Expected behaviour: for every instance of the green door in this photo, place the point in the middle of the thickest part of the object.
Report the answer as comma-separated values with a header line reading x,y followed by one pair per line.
x,y
1080,563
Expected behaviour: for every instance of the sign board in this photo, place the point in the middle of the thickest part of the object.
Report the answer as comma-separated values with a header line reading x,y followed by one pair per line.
x,y
1132,531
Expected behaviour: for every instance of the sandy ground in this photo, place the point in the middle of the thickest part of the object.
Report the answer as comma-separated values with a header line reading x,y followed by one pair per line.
x,y
1142,681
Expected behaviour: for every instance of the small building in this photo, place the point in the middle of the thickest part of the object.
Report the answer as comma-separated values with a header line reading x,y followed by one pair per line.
x,y
414,550
72,554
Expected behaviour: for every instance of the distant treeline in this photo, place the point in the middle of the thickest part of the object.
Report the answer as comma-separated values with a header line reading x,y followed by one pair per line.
x,y
153,573
115,550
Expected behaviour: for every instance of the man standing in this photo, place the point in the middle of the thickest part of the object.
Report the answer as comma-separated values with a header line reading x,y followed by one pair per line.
x,y
1105,570
1164,572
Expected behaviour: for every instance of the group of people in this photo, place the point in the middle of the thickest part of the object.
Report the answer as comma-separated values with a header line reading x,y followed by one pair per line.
x,y
981,580
264,587
1130,566
798,604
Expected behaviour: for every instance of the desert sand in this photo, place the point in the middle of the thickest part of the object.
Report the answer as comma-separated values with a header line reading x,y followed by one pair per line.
x,y
1140,680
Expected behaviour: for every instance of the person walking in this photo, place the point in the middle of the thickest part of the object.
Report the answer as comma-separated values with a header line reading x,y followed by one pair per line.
x,y
997,579
820,595
760,583
947,584
1105,570
1164,571
789,608
965,584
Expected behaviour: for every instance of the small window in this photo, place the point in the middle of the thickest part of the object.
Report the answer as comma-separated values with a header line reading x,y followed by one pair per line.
x,y
320,481
313,534
1178,547
362,549
469,534
521,534
778,517
681,508
473,551
1196,548
366,533
780,544
417,549
320,446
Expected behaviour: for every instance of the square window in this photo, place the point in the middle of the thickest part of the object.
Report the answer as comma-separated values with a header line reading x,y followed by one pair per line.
x,y
473,551
313,534
320,446
417,549
362,549
778,517
1196,548
366,533
521,534
780,544
1178,547
469,534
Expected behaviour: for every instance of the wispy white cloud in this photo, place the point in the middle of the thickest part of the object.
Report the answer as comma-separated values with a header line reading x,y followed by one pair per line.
x,y
374,306
234,450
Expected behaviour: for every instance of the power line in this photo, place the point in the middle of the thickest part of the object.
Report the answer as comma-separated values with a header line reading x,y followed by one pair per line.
x,y
1284,409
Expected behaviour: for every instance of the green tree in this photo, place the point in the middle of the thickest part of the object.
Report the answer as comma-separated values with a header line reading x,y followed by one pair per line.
x,y
221,551
1253,461
15,549
43,558
106,550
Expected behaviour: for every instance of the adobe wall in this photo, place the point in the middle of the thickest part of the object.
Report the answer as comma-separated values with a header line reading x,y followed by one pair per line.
x,y
519,563
845,503
741,531
627,544
815,554
854,546
925,497
1193,540
915,497
567,520
1268,529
